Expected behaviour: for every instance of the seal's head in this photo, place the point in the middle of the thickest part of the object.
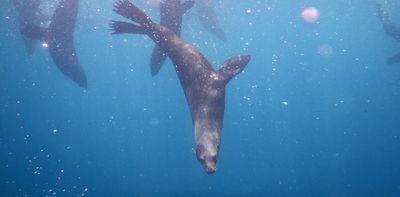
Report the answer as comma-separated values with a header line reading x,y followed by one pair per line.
x,y
207,152
208,159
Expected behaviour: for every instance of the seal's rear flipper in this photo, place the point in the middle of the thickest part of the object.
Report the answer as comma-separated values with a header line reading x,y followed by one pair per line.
x,y
131,12
233,67
186,6
157,59
33,32
394,59
119,27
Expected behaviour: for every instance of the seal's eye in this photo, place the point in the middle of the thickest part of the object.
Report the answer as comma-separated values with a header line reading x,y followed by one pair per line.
x,y
200,155
214,158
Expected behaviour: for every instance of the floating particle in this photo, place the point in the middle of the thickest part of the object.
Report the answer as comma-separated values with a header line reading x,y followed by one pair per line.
x,y
310,14
325,50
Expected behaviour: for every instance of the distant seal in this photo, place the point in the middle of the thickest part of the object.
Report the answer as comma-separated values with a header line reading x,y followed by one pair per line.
x,y
203,86
171,18
208,18
59,37
391,29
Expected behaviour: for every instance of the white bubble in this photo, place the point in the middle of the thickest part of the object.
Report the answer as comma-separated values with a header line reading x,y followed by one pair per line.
x,y
45,45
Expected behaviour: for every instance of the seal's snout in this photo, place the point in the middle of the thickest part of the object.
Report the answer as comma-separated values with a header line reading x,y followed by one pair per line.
x,y
210,168
209,164
207,153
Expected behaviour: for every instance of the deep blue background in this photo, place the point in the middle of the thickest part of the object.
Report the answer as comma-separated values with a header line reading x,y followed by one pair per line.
x,y
297,123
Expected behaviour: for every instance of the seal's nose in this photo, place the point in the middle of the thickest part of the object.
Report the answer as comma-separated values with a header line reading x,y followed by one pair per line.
x,y
210,168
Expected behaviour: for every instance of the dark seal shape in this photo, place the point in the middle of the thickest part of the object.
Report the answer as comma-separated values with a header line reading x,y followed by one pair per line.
x,y
59,37
203,86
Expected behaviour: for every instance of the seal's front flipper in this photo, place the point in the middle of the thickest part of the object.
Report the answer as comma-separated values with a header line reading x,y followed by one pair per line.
x,y
33,32
157,59
232,67
394,59
186,6
119,27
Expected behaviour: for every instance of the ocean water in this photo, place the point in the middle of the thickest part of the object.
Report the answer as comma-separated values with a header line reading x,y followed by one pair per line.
x,y
315,113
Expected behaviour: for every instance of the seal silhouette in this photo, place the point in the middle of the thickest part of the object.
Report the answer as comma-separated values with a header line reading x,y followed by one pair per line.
x,y
59,37
204,87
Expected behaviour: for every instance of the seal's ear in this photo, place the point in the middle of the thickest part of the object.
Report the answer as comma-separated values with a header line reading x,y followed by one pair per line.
x,y
233,66
186,6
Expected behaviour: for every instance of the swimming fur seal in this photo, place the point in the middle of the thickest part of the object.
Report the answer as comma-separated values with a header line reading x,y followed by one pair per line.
x,y
203,86
208,18
391,29
171,18
59,37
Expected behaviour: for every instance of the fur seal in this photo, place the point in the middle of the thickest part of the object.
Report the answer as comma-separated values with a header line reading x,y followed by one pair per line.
x,y
59,37
204,87
171,18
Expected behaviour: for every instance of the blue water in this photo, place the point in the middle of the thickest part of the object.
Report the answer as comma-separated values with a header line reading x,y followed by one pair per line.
x,y
297,122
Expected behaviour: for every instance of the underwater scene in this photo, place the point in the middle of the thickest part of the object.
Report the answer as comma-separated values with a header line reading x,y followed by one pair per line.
x,y
200,98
